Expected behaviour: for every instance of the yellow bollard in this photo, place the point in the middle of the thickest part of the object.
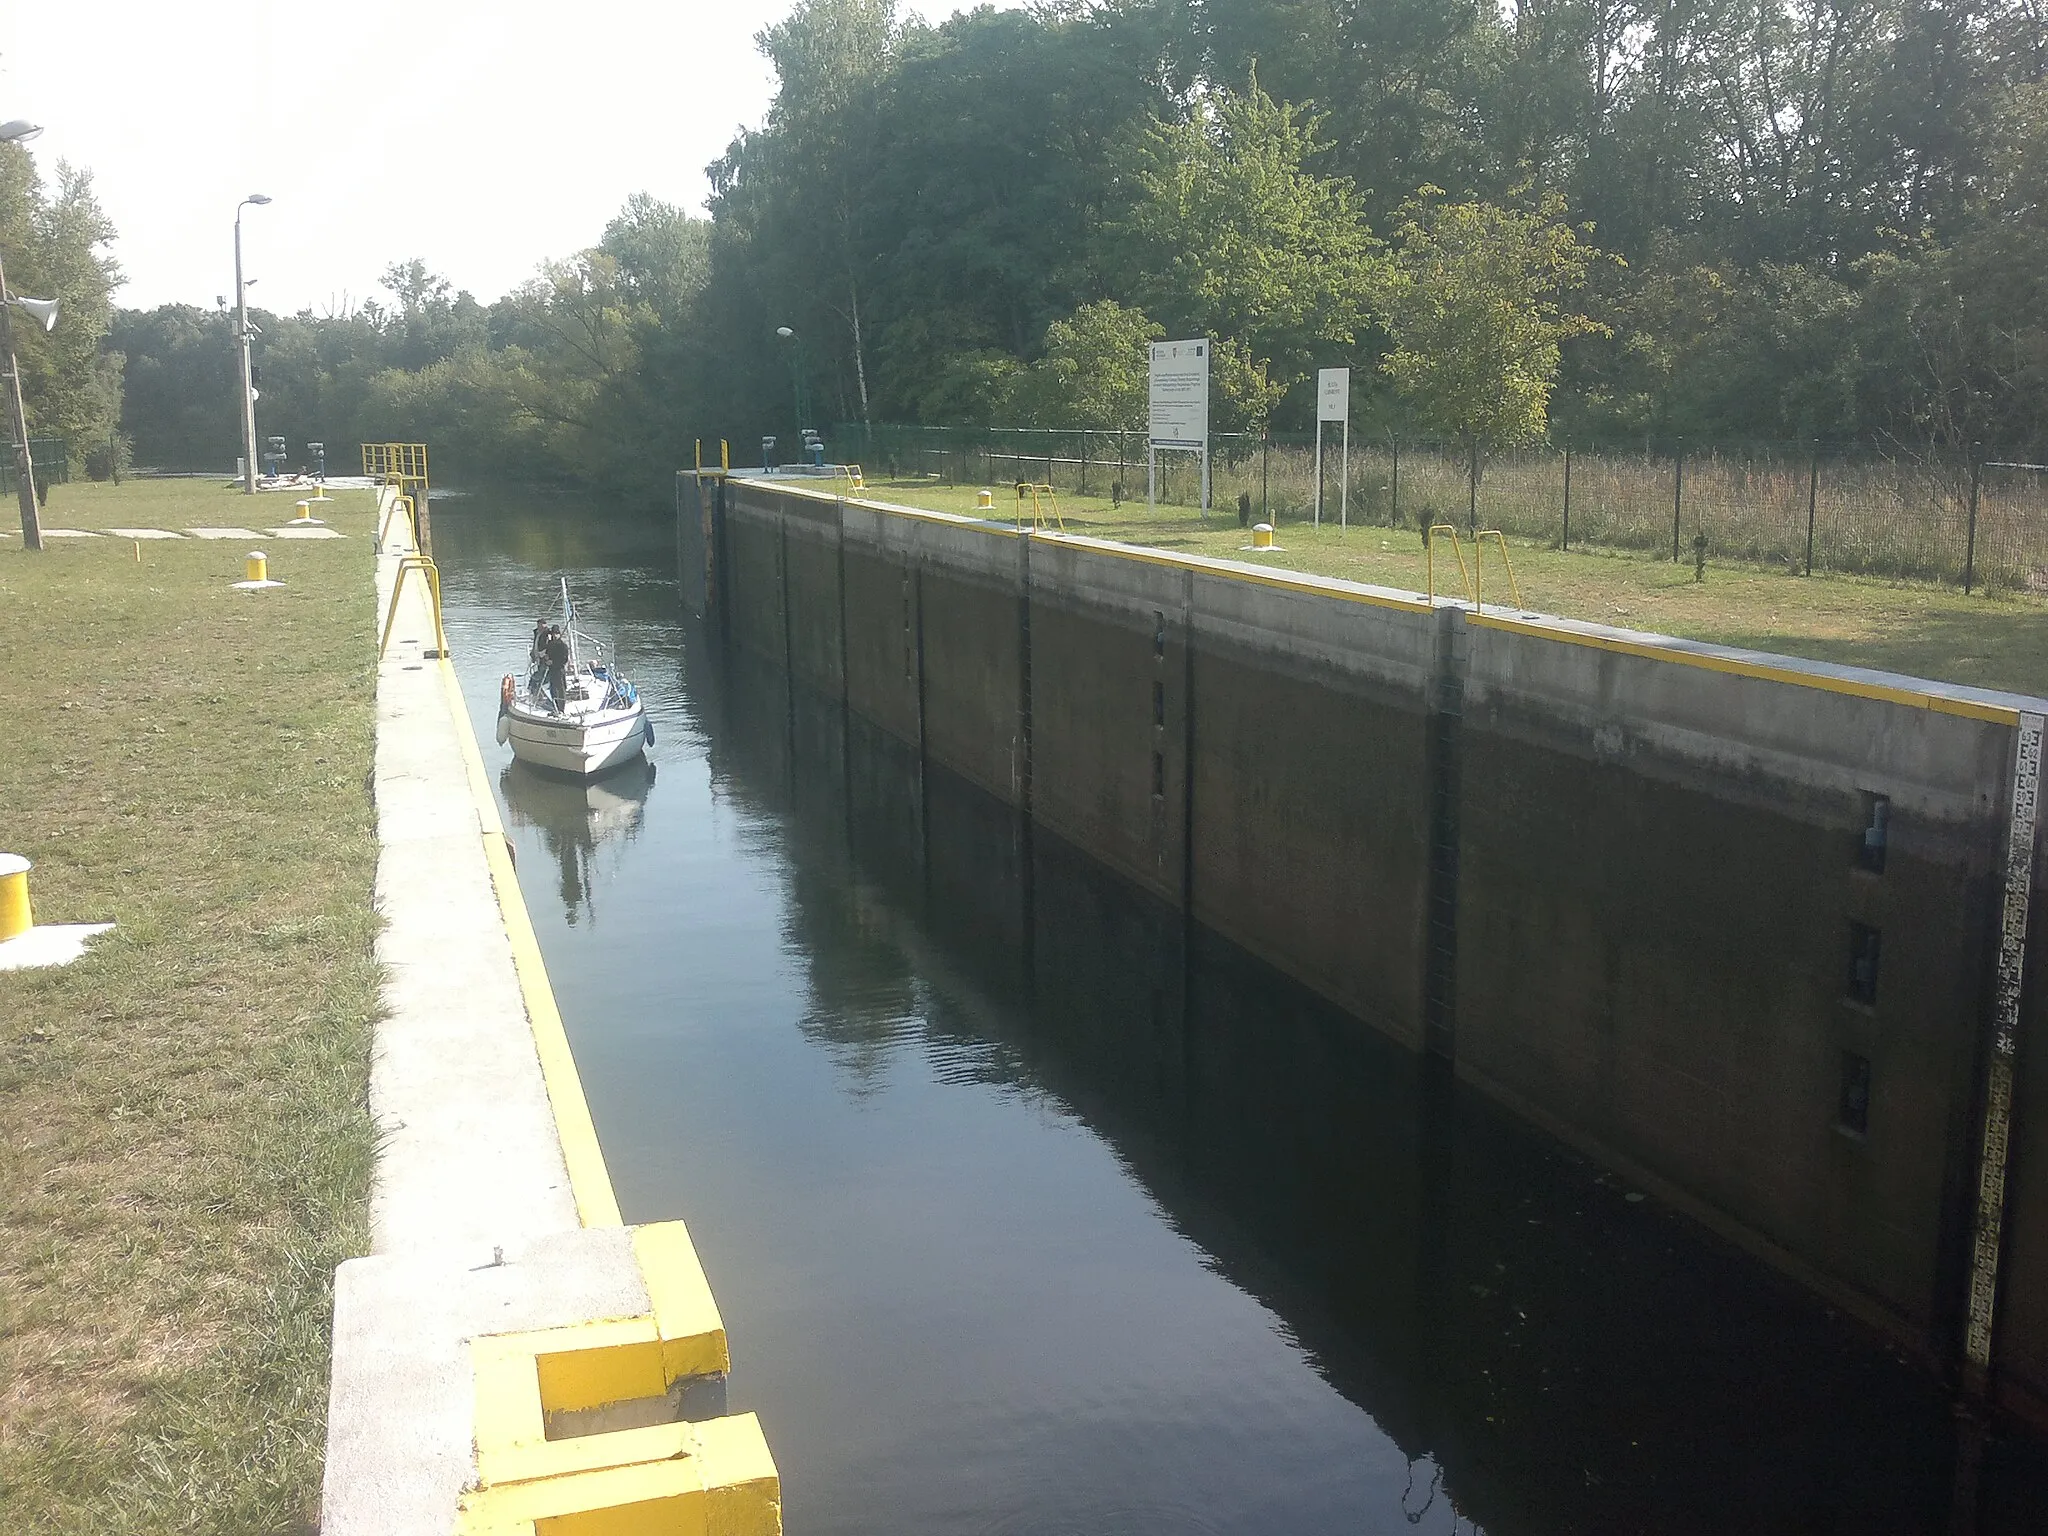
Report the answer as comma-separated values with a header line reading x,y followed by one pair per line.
x,y
305,514
985,501
256,567
15,916
1262,535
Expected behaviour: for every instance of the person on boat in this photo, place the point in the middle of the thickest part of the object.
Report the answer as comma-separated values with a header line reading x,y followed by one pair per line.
x,y
557,653
540,640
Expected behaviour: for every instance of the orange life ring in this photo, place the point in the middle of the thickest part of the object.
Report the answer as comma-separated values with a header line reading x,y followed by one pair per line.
x,y
505,693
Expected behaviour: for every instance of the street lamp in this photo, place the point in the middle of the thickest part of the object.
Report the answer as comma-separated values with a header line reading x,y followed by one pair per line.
x,y
242,343
796,377
45,310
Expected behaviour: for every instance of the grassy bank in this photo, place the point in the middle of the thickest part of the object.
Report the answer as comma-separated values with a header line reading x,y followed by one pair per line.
x,y
1990,640
187,1148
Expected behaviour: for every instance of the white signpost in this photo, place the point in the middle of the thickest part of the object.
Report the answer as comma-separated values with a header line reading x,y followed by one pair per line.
x,y
1180,409
1333,403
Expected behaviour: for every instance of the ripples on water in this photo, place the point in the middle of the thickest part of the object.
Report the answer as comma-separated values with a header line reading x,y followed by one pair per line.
x,y
1025,1215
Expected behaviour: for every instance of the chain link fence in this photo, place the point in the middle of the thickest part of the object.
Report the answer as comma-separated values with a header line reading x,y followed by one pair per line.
x,y
1970,518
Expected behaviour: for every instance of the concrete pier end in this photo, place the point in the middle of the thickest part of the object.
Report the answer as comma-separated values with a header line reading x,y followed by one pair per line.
x,y
510,1358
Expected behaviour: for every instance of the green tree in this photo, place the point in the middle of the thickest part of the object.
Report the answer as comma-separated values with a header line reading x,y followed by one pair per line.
x,y
54,245
1092,373
1229,235
1474,302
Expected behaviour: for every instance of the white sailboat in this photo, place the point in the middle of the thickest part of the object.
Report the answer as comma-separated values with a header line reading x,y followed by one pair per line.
x,y
580,715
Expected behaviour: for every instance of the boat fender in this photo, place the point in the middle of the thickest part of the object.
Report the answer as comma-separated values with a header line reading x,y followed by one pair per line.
x,y
505,691
647,725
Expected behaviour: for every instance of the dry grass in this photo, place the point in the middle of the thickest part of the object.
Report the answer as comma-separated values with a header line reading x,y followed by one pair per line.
x,y
1994,640
1897,518
187,1147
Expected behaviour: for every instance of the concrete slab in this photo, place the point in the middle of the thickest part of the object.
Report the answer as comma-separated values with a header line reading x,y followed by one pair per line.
x,y
144,533
49,944
400,1403
471,1156
223,533
69,533
309,532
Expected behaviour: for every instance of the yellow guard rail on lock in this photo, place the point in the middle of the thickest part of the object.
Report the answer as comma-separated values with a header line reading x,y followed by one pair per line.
x,y
428,569
407,461
412,527
1479,566
1429,562
1041,495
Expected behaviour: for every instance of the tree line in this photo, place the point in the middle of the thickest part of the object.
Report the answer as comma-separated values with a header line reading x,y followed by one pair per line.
x,y
1602,219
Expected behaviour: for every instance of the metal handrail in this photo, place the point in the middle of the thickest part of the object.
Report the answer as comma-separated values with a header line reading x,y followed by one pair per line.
x,y
427,568
1036,491
411,521
1429,562
1479,566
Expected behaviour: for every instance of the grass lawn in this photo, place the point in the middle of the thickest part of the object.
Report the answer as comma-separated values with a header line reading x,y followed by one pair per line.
x,y
1996,641
185,1146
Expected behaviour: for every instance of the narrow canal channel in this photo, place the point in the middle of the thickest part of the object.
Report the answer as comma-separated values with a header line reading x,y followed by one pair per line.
x,y
1030,1213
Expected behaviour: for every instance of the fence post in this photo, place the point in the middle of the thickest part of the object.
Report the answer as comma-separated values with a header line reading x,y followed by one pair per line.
x,y
1970,551
1677,494
1084,461
1265,474
1567,541
1812,495
1394,516
1472,491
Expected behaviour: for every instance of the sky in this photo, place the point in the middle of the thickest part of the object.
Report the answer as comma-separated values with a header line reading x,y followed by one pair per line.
x,y
482,138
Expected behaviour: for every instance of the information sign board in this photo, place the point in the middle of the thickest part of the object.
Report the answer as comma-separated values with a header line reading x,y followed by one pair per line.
x,y
1180,394
1333,394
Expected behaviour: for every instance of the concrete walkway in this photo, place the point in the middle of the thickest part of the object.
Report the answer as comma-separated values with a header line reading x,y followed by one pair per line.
x,y
484,1245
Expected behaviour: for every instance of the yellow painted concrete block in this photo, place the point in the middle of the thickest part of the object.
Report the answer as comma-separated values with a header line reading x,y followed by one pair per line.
x,y
721,1483
693,1341
609,1372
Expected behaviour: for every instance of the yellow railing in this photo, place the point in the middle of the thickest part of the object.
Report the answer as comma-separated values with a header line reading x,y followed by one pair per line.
x,y
1472,577
1479,563
427,569
1429,562
406,461
1042,496
412,524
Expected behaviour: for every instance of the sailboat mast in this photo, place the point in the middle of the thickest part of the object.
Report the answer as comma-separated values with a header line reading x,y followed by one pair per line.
x,y
569,622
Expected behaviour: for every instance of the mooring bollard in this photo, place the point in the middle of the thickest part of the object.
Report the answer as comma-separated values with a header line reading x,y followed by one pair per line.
x,y
985,501
255,574
15,916
1262,536
305,514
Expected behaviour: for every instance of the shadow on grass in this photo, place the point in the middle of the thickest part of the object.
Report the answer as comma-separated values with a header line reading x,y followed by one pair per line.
x,y
1993,648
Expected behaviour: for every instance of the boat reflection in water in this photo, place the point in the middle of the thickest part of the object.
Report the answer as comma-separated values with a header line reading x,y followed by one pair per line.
x,y
576,817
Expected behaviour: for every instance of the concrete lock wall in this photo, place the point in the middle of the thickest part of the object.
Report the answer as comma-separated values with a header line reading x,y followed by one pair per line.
x,y
1615,880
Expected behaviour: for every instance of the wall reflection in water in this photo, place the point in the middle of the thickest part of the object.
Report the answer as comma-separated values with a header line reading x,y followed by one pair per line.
x,y
1550,1351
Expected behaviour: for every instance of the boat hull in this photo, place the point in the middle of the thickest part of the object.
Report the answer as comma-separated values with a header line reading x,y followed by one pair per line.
x,y
587,744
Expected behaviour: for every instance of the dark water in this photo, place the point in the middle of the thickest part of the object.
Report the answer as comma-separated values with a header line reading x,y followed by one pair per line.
x,y
1030,1212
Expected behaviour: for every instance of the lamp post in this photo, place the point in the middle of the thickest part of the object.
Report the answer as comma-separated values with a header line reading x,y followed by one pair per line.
x,y
796,377
242,343
15,132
